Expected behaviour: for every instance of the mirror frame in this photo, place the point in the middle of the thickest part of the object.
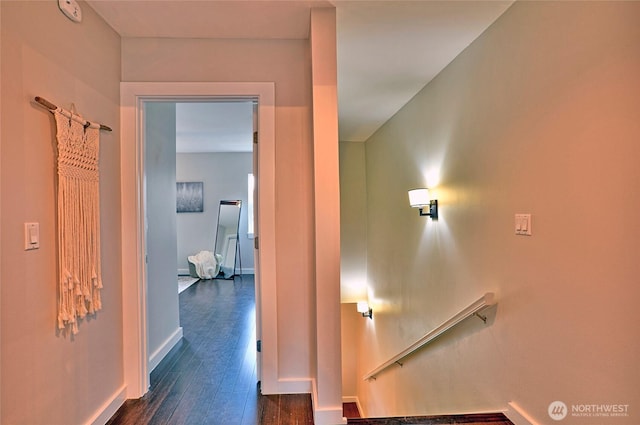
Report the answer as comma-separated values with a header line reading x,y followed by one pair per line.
x,y
218,250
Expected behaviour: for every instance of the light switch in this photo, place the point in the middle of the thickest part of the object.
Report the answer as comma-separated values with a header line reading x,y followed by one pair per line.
x,y
31,236
523,224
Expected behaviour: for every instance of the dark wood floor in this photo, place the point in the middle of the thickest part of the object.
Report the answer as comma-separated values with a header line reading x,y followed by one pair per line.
x,y
210,376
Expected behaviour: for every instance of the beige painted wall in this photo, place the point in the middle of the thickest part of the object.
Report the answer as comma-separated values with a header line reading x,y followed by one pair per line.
x,y
350,333
49,377
286,62
353,222
539,115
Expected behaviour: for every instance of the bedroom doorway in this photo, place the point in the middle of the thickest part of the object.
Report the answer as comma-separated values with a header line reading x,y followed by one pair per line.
x,y
214,157
135,98
203,148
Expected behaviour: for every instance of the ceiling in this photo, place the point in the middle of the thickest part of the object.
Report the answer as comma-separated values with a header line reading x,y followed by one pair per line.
x,y
225,126
387,50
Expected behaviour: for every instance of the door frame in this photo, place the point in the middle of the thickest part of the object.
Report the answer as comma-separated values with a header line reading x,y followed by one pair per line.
x,y
132,171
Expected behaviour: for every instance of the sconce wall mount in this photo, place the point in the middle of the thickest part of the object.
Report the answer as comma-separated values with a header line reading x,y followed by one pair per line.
x,y
419,198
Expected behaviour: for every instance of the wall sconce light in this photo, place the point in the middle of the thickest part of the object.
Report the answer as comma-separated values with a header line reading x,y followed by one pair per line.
x,y
363,307
419,198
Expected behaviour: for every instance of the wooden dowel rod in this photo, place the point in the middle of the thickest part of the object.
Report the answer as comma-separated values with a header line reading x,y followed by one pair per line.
x,y
44,102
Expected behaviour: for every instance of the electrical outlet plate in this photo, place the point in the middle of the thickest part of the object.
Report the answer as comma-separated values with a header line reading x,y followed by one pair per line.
x,y
71,9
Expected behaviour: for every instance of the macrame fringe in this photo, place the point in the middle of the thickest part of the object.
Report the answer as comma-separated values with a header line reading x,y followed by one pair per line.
x,y
80,279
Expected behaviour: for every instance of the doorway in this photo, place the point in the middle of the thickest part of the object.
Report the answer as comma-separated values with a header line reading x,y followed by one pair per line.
x,y
214,155
206,146
133,97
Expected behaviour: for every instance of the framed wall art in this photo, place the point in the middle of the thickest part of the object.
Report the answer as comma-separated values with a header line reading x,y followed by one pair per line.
x,y
190,197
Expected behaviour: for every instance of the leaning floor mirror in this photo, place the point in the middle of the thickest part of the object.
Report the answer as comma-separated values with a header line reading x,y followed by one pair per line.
x,y
227,247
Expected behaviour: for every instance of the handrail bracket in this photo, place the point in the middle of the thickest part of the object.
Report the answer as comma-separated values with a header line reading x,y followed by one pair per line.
x,y
481,317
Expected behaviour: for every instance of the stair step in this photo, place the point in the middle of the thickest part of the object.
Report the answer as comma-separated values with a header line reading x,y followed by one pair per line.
x,y
472,419
350,410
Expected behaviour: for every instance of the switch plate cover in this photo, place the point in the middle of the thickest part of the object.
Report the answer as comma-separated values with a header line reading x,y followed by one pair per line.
x,y
523,224
31,236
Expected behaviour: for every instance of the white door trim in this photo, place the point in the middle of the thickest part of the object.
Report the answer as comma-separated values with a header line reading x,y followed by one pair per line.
x,y
134,315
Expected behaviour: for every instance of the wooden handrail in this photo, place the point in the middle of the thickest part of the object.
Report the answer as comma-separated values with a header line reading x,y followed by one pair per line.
x,y
473,309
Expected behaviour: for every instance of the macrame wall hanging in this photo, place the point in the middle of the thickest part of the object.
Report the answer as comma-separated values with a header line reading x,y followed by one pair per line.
x,y
78,201
80,280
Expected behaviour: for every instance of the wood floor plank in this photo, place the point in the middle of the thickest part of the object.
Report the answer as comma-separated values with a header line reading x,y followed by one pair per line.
x,y
174,394
269,410
189,409
294,410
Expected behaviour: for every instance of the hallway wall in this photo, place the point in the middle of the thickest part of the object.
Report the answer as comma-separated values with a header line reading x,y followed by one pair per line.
x,y
51,377
163,315
539,115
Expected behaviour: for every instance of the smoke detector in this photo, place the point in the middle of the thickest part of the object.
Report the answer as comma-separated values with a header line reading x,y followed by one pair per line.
x,y
71,9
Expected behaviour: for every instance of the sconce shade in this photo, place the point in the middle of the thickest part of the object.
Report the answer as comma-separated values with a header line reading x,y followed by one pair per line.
x,y
364,309
419,198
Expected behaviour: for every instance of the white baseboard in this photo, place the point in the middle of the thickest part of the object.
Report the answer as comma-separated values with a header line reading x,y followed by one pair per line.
x,y
294,386
321,416
518,416
156,357
183,272
331,415
109,408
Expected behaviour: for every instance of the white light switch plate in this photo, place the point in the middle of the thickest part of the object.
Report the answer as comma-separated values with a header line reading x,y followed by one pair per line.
x,y
31,236
523,224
